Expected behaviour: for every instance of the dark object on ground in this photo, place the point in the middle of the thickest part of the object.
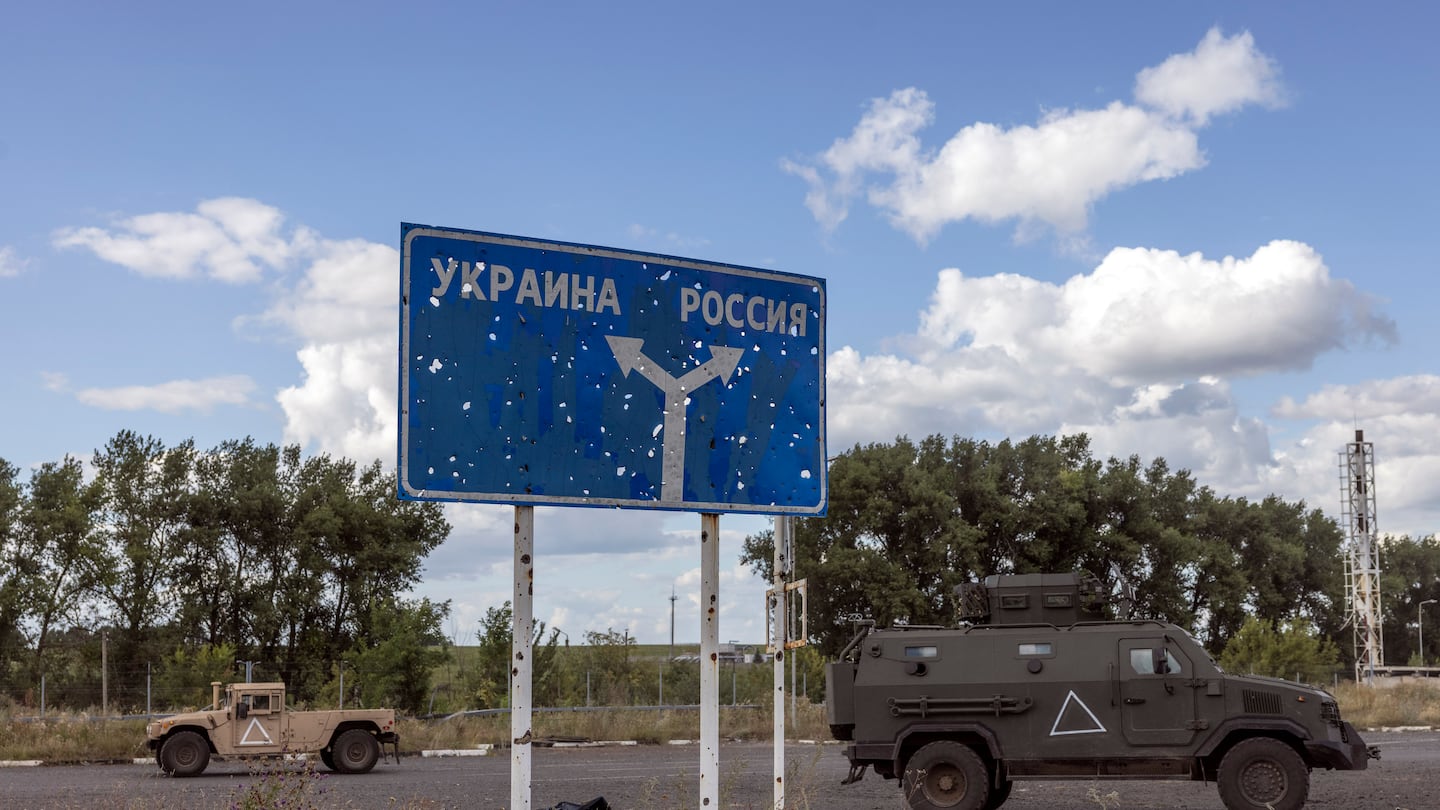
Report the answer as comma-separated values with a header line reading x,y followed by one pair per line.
x,y
597,803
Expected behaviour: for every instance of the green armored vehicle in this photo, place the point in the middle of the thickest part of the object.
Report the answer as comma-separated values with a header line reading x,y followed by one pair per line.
x,y
1035,685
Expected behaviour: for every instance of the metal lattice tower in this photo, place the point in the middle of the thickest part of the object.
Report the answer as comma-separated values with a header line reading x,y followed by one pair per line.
x,y
1362,557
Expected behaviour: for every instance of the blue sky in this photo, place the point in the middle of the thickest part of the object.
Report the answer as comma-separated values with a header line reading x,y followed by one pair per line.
x,y
1195,231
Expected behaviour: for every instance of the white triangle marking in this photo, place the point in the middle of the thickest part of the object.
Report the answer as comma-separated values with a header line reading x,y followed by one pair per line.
x,y
255,726
1072,697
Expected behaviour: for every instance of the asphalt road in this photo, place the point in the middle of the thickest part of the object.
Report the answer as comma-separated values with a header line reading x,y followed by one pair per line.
x,y
666,778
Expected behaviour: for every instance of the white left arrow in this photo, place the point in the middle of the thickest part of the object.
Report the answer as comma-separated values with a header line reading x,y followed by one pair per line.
x,y
721,365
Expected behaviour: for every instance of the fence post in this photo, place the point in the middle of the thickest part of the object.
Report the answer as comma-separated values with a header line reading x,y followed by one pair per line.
x,y
147,690
104,674
42,697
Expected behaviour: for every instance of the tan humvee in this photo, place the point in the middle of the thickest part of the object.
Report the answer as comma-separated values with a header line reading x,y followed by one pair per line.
x,y
252,721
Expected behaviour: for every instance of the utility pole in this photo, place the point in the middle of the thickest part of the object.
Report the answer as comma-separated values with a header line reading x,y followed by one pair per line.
x,y
673,597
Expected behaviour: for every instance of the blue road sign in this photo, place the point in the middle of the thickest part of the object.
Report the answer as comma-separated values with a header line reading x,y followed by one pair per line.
x,y
535,372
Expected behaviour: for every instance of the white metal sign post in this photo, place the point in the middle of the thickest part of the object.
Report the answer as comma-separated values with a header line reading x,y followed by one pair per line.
x,y
522,624
516,387
779,621
709,660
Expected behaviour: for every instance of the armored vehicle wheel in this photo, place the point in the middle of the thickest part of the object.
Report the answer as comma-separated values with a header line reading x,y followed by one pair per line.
x,y
1262,773
185,753
355,751
947,775
998,795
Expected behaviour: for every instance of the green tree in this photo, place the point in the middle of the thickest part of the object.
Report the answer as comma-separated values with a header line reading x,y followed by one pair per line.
x,y
64,548
393,666
1280,650
907,522
1410,574
489,682
143,511
17,571
614,672
184,676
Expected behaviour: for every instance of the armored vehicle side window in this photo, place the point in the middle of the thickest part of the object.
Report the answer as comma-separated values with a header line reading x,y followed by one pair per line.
x,y
258,703
1058,600
1036,648
927,651
1142,660
1014,601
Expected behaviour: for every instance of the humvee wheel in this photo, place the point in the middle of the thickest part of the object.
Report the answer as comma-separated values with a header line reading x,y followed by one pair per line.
x,y
355,751
327,757
185,753
947,775
1262,773
998,795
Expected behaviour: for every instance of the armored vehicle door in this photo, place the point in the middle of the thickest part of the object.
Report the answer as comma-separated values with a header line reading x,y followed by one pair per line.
x,y
1157,703
257,725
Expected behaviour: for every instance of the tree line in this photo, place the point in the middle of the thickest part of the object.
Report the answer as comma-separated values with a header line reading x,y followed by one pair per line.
x,y
183,561
908,521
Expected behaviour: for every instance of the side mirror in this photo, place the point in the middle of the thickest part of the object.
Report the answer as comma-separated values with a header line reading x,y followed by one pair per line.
x,y
242,710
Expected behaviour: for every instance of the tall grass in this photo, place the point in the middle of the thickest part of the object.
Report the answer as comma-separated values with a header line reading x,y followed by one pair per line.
x,y
84,738
1408,704
646,727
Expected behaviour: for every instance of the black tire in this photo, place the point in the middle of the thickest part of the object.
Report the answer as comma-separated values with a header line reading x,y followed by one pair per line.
x,y
1263,773
947,775
184,753
998,795
327,758
355,751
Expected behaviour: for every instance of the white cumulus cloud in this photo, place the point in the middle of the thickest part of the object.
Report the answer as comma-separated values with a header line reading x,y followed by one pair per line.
x,y
1146,315
1050,173
1139,353
10,263
231,239
175,396
335,299
1221,75
1401,416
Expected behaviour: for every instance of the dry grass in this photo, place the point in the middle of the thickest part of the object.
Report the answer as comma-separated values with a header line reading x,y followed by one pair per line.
x,y
1410,704
72,738
619,724
82,738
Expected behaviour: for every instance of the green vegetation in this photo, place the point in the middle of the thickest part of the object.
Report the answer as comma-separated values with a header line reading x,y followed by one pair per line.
x,y
909,521
610,669
1289,650
75,738
174,562
179,564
